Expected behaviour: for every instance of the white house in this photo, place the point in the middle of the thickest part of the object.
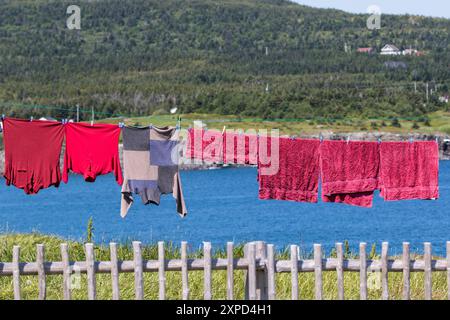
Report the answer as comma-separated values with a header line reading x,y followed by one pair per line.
x,y
390,50
410,52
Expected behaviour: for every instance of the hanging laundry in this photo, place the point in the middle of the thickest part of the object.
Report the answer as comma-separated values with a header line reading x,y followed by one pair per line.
x,y
32,152
204,145
194,148
240,148
349,171
92,150
296,170
409,170
212,146
150,157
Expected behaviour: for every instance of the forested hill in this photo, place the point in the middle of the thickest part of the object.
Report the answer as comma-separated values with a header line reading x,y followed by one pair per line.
x,y
262,58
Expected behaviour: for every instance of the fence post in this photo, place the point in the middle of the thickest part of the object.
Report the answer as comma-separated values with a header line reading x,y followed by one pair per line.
x,y
16,272
262,292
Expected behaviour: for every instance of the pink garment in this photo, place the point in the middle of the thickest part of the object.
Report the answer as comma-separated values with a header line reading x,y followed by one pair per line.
x,y
349,172
204,145
409,170
194,148
240,148
297,178
212,146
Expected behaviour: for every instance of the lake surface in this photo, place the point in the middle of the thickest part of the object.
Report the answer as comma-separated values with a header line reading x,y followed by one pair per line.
x,y
223,206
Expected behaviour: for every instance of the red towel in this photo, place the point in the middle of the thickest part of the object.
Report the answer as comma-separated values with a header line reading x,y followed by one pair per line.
x,y
194,149
212,146
92,150
240,148
204,145
32,152
297,177
349,171
409,170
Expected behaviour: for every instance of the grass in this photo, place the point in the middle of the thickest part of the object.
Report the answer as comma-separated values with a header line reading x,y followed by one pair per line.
x,y
29,284
438,122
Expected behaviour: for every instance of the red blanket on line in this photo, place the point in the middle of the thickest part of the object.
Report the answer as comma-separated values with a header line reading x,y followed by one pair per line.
x,y
349,172
409,170
295,175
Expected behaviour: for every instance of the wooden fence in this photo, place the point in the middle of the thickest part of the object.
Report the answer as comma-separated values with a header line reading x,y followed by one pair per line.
x,y
259,263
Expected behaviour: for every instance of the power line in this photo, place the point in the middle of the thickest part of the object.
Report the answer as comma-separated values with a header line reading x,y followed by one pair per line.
x,y
58,108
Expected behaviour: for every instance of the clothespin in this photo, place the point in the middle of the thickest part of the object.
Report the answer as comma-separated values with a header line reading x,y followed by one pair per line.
x,y
121,125
293,137
31,119
411,139
437,140
223,130
379,140
348,139
3,117
321,137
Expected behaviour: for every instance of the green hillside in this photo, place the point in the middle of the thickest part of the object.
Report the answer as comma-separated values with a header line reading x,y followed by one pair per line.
x,y
142,57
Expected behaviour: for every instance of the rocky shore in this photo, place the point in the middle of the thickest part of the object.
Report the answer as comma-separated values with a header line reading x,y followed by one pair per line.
x,y
444,147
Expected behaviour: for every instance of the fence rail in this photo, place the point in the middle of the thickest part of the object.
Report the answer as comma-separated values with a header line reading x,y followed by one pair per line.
x,y
259,263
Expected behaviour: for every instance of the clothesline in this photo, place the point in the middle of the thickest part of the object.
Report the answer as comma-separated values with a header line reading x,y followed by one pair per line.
x,y
350,170
33,149
288,168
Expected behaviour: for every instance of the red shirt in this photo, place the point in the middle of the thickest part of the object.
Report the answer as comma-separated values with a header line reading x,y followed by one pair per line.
x,y
32,151
92,150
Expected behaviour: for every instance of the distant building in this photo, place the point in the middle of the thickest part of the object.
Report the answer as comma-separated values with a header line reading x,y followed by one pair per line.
x,y
444,98
420,53
413,52
390,50
366,50
47,119
409,52
395,65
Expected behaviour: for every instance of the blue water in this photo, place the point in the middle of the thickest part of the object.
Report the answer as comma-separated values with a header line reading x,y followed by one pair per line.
x,y
223,206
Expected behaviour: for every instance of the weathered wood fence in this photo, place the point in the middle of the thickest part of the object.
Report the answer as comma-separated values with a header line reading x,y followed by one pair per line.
x,y
259,263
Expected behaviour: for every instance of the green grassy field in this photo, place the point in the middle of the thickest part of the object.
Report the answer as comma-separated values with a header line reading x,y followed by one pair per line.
x,y
173,279
438,122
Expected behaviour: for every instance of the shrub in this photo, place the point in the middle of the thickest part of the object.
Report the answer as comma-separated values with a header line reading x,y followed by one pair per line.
x,y
395,123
